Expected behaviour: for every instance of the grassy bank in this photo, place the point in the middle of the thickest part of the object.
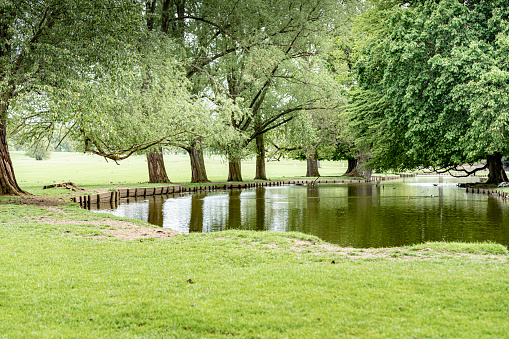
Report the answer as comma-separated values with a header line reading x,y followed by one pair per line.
x,y
66,273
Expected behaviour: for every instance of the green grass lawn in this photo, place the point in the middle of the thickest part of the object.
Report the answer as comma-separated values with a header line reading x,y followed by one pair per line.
x,y
57,280
62,274
91,171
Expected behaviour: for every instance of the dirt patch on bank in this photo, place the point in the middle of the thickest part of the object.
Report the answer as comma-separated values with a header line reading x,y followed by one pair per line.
x,y
313,248
35,200
128,231
118,229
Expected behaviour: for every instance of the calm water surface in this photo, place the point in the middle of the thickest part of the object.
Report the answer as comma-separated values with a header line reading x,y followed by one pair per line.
x,y
394,213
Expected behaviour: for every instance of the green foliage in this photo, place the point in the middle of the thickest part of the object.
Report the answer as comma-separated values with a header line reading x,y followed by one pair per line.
x,y
262,57
39,152
47,48
432,90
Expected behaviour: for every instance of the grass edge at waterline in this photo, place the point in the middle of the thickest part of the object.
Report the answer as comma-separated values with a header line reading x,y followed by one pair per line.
x,y
64,274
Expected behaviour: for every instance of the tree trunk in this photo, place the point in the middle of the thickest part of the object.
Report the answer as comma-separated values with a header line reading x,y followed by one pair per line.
x,y
312,165
260,159
234,170
352,165
497,173
156,170
8,183
355,169
198,171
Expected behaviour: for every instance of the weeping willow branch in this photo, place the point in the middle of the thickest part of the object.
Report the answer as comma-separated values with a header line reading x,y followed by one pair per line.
x,y
127,152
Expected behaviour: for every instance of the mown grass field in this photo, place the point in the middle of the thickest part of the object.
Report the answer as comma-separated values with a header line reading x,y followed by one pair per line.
x,y
58,279
91,171
64,273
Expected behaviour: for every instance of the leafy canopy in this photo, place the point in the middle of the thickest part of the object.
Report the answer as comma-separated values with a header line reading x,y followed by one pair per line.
x,y
432,91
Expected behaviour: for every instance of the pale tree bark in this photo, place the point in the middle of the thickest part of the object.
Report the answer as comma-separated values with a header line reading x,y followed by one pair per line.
x,y
8,183
260,159
198,171
156,169
312,164
234,170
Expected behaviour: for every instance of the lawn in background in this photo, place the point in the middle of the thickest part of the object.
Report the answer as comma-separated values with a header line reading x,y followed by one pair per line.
x,y
85,169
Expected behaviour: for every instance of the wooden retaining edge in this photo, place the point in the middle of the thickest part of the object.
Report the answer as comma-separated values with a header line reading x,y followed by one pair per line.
x,y
114,196
493,193
447,174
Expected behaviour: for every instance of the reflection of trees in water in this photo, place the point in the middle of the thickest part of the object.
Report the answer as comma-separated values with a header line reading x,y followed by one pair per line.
x,y
360,215
312,203
260,209
234,212
155,210
497,221
196,219
360,228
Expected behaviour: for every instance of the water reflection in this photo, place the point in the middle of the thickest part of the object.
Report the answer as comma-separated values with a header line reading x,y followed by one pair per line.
x,y
361,215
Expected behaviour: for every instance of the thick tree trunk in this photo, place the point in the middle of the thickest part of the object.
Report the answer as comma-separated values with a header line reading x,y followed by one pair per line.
x,y
312,165
355,169
352,165
198,171
497,173
8,183
260,159
234,170
156,169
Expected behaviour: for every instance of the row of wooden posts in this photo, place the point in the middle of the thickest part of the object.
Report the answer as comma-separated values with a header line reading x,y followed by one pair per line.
x,y
114,196
494,193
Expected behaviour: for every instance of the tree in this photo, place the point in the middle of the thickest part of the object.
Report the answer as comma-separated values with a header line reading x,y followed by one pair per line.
x,y
39,151
45,43
361,28
155,160
432,92
246,51
126,98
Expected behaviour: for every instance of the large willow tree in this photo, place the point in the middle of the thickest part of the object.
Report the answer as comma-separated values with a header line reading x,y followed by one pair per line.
x,y
93,72
434,88
43,44
258,55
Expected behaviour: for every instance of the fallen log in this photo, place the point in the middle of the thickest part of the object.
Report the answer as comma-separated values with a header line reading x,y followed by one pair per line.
x,y
69,185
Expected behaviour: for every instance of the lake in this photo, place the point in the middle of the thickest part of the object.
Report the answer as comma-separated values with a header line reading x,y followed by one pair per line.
x,y
387,214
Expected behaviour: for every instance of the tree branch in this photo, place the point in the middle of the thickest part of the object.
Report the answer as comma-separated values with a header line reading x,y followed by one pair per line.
x,y
459,169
